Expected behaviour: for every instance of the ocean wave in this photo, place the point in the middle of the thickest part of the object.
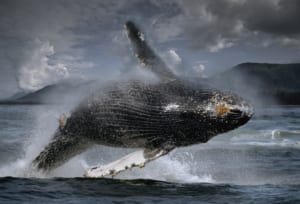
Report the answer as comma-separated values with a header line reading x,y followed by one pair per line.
x,y
268,138
286,134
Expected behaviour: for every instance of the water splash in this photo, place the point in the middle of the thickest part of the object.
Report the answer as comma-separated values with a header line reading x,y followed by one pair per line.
x,y
167,168
44,124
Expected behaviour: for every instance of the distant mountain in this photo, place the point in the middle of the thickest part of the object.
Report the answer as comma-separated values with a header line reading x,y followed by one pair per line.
x,y
18,95
262,82
63,92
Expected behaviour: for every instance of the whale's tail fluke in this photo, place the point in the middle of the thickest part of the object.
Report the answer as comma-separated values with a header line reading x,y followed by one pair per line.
x,y
61,149
145,54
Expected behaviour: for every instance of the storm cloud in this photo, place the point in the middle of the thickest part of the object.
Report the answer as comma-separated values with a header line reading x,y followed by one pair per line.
x,y
43,42
219,24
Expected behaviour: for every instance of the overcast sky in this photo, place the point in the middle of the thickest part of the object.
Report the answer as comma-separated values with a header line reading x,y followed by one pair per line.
x,y
45,41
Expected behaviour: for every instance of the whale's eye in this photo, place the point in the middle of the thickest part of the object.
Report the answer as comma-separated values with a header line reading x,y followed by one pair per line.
x,y
221,109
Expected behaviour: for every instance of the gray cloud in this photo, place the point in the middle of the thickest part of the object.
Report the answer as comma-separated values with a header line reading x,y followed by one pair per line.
x,y
86,36
274,17
223,23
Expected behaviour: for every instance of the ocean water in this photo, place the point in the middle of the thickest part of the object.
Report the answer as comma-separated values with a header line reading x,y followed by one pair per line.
x,y
257,163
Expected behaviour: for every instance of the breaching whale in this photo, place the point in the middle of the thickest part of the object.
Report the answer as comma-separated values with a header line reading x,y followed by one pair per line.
x,y
156,117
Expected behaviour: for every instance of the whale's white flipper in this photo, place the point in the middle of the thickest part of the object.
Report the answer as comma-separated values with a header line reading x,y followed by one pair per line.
x,y
135,159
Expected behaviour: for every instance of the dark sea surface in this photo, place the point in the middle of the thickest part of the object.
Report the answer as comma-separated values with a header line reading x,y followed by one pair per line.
x,y
257,163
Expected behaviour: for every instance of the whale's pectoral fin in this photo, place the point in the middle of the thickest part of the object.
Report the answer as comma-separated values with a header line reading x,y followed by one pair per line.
x,y
136,159
146,55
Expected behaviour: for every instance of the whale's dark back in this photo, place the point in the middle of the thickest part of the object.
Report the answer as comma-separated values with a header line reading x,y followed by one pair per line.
x,y
136,114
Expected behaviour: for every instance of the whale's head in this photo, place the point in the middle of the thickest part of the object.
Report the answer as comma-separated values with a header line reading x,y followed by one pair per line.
x,y
201,114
